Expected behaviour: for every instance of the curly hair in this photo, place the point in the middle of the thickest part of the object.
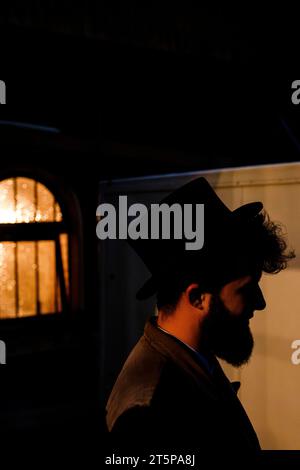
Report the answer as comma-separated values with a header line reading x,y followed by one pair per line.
x,y
274,251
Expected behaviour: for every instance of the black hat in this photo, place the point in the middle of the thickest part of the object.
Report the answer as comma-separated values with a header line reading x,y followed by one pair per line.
x,y
225,232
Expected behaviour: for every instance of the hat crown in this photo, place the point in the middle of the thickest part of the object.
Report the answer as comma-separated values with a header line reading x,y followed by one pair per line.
x,y
220,227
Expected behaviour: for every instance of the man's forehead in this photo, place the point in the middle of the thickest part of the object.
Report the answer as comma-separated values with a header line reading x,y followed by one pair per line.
x,y
246,279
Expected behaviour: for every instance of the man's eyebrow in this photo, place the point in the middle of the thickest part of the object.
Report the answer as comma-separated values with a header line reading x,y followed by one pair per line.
x,y
245,283
251,281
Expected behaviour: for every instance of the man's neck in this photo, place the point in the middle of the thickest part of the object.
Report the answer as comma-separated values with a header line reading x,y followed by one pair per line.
x,y
189,332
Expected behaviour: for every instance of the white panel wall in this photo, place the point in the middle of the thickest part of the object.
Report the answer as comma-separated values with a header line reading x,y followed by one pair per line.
x,y
270,382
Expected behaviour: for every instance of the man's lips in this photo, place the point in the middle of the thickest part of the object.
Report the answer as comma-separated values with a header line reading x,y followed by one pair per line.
x,y
248,316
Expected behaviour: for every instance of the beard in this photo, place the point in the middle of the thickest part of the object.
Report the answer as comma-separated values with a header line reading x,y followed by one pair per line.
x,y
226,335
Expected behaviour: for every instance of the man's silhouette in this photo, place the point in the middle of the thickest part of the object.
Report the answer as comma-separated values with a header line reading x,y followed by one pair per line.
x,y
172,390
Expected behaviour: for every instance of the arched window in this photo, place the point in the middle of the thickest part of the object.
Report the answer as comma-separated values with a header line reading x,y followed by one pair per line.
x,y
34,253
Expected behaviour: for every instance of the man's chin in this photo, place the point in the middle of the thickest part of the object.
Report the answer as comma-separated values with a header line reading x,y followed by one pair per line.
x,y
235,361
237,357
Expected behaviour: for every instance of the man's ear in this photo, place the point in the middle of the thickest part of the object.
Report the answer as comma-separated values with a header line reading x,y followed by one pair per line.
x,y
196,298
194,294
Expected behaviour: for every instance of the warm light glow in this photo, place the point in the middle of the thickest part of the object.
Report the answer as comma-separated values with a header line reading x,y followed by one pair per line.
x,y
28,269
8,216
23,200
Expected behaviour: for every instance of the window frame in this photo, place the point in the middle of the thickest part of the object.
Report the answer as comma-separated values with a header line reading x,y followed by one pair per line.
x,y
71,225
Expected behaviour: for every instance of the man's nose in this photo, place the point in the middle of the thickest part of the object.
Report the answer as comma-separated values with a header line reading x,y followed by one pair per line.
x,y
260,303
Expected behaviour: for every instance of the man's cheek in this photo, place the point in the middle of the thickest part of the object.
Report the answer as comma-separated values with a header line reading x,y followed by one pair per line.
x,y
235,305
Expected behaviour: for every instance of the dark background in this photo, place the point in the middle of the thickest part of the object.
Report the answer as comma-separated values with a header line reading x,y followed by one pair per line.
x,y
96,91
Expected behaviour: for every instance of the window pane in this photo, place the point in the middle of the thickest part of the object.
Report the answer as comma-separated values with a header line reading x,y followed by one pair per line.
x,y
26,204
7,202
65,259
36,281
47,276
46,204
64,247
26,282
25,200
7,280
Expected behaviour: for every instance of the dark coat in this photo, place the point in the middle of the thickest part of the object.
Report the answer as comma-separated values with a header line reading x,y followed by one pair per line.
x,y
164,394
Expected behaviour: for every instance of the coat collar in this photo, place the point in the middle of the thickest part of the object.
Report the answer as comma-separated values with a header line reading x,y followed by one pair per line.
x,y
176,351
215,386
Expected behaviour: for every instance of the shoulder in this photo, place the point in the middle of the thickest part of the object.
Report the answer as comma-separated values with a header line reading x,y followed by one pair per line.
x,y
136,382
146,376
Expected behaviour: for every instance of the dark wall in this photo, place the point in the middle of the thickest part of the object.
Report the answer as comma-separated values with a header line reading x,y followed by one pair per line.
x,y
120,105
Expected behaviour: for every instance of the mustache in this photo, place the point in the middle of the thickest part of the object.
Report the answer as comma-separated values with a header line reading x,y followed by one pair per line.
x,y
248,314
